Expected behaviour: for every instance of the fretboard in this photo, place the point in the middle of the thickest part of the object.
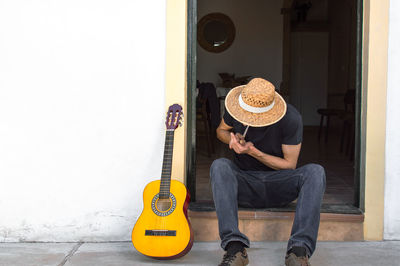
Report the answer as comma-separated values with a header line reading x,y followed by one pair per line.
x,y
167,165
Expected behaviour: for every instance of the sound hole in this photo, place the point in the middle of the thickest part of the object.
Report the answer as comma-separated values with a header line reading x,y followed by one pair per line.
x,y
164,205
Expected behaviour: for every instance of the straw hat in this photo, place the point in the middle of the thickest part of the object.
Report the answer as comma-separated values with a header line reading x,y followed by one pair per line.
x,y
256,104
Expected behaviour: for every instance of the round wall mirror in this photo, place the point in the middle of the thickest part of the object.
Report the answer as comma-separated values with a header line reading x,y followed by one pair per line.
x,y
215,32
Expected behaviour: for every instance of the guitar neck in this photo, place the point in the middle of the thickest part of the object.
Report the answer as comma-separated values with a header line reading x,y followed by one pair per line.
x,y
167,164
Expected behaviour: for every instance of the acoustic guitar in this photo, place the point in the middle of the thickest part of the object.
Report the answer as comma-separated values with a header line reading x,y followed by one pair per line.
x,y
163,230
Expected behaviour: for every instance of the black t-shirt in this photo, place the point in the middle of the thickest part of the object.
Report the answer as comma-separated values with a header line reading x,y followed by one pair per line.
x,y
269,139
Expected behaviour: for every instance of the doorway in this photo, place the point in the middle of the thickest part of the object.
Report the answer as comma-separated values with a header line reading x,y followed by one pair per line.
x,y
310,51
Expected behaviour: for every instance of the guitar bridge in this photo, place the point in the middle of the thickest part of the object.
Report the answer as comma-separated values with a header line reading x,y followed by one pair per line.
x,y
160,233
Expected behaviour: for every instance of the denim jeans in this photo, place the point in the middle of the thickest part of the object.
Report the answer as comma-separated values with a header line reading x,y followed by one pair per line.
x,y
233,187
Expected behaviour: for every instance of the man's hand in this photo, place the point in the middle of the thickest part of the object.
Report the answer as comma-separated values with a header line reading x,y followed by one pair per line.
x,y
290,152
239,145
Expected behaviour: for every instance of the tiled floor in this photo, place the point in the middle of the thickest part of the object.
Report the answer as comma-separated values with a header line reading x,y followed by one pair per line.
x,y
339,168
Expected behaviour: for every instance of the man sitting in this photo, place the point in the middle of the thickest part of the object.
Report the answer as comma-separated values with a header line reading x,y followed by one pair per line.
x,y
263,173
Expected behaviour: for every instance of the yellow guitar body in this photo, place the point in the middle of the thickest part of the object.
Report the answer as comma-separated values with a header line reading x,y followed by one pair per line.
x,y
163,233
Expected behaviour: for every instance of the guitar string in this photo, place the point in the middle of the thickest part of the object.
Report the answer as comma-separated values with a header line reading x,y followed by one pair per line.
x,y
166,187
168,157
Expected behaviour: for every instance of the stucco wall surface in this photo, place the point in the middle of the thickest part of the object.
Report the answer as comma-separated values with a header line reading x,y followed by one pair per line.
x,y
392,171
82,109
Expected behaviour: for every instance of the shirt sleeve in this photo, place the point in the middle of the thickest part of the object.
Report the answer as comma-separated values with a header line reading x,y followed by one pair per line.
x,y
293,131
228,119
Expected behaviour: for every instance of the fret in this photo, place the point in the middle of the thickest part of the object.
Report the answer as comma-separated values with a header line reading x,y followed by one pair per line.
x,y
167,164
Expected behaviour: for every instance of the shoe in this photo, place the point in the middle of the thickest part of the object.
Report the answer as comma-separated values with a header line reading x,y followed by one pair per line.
x,y
292,260
238,259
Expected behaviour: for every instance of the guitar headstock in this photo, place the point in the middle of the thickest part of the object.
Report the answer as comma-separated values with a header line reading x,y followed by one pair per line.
x,y
174,117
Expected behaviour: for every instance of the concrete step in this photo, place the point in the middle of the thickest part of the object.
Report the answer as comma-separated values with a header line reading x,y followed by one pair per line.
x,y
275,225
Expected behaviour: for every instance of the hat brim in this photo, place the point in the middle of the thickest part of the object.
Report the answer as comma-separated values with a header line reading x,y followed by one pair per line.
x,y
254,119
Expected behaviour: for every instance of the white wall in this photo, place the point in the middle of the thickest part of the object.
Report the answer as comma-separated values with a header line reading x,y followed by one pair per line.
x,y
392,175
257,48
81,116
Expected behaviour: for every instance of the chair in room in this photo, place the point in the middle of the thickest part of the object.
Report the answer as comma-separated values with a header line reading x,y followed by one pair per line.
x,y
326,114
343,114
208,113
204,118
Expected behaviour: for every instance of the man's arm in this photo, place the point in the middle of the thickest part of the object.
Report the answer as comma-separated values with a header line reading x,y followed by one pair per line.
x,y
289,160
290,152
223,132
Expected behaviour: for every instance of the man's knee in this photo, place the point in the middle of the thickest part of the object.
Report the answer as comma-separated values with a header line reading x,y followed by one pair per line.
x,y
221,170
315,174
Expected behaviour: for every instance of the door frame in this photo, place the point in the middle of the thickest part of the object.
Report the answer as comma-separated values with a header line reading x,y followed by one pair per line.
x,y
191,97
372,43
